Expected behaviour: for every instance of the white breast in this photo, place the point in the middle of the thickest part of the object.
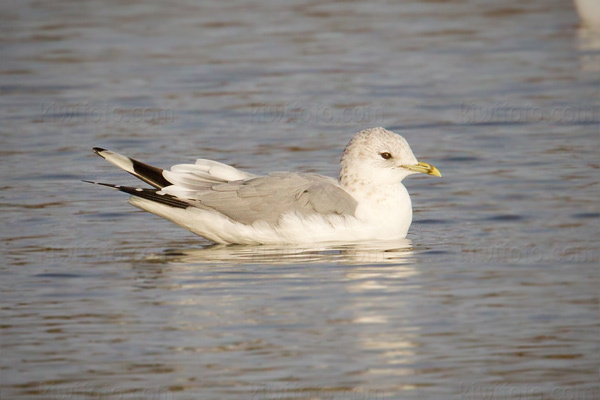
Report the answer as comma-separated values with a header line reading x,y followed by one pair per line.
x,y
386,208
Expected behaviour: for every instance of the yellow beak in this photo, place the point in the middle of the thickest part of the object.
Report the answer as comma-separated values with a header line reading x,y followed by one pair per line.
x,y
424,168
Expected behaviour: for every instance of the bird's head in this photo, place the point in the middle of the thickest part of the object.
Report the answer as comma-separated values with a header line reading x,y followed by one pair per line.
x,y
378,156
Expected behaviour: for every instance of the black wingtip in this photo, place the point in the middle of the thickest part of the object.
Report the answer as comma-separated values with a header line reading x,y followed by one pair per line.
x,y
148,194
110,185
147,173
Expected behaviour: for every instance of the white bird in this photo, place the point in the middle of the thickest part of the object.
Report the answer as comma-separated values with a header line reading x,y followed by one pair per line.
x,y
226,205
589,12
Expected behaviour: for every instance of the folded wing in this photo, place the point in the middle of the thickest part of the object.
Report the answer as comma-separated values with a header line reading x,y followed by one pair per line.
x,y
267,198
238,195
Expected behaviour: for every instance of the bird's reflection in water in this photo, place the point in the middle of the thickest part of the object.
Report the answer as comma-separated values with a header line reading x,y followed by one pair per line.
x,y
343,302
381,252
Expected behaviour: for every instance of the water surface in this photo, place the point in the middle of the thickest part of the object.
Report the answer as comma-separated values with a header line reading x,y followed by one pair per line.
x,y
493,295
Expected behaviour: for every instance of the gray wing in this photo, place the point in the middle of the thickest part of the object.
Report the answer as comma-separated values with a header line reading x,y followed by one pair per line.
x,y
266,198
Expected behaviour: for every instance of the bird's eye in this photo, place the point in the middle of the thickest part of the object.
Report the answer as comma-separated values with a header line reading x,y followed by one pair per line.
x,y
386,155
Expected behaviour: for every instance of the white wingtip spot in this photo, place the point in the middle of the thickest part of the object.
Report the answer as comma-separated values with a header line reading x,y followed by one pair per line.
x,y
119,160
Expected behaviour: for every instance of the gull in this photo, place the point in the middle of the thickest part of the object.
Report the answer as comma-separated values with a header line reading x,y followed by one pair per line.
x,y
229,206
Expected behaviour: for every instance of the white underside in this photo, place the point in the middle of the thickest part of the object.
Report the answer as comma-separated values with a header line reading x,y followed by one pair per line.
x,y
291,228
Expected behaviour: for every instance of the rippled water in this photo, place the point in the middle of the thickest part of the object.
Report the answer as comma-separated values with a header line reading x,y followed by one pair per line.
x,y
493,295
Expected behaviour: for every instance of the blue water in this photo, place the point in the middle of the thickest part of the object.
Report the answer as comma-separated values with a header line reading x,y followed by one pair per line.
x,y
493,295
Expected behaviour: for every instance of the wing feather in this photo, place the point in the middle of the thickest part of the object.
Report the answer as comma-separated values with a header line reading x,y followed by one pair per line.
x,y
203,174
267,198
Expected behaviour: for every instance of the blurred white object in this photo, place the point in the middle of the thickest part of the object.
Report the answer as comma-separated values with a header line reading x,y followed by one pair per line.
x,y
589,12
588,42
